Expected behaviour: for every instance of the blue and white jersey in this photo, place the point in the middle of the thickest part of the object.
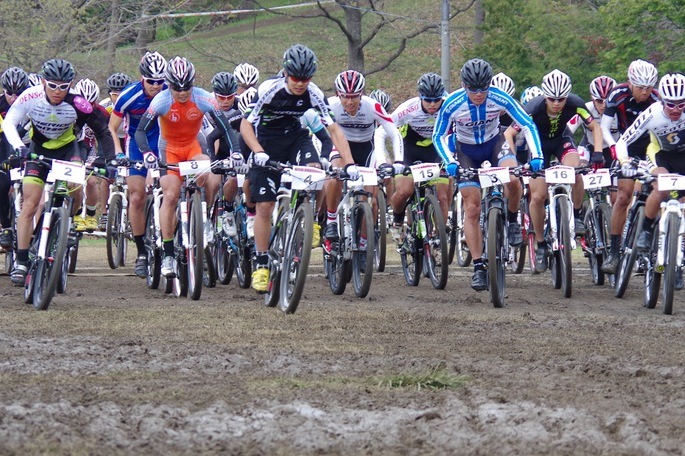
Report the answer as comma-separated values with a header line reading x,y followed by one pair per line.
x,y
477,124
131,106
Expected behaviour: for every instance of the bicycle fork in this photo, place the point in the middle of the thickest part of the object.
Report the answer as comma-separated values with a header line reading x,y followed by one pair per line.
x,y
669,207
554,229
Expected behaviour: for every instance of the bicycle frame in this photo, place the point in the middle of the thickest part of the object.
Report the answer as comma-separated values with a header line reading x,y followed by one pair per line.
x,y
556,192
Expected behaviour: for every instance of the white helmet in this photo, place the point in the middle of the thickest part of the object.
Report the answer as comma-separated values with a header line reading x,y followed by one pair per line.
x,y
247,100
88,90
504,83
556,84
246,74
672,87
529,93
153,65
642,73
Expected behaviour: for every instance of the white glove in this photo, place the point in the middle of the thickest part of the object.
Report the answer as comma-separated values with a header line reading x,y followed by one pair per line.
x,y
150,160
237,160
398,167
646,165
352,171
260,158
325,164
628,170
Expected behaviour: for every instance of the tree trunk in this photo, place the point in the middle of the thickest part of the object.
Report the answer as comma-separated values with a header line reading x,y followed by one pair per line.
x,y
355,52
480,18
112,36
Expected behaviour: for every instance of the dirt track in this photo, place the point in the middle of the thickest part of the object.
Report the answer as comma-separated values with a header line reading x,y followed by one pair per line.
x,y
115,368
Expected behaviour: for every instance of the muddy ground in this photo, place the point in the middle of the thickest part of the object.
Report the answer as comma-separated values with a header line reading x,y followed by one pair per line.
x,y
115,368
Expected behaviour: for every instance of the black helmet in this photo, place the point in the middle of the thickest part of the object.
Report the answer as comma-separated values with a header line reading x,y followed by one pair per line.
x,y
180,73
15,80
118,81
476,74
299,61
58,70
430,86
224,83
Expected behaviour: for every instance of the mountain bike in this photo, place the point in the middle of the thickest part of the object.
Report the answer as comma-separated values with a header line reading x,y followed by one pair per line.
x,y
348,258
381,226
118,229
426,237
220,248
291,235
666,256
457,239
15,175
153,227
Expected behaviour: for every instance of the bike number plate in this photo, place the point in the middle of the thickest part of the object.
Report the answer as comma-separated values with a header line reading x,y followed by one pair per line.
x,y
68,171
154,173
560,175
368,175
425,172
491,176
191,167
668,182
598,179
16,174
307,178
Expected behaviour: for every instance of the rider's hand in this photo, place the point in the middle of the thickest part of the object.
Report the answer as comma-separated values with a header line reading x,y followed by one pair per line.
x,y
237,160
452,169
111,171
260,158
536,164
325,164
22,151
612,148
150,160
122,160
628,169
352,171
398,167
597,158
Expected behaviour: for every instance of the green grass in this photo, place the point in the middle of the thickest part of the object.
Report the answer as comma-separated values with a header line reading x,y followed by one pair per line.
x,y
432,378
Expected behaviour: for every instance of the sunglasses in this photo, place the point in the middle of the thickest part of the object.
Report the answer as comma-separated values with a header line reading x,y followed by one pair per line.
x,y
176,88
55,86
671,105
224,97
9,93
431,100
556,100
350,96
644,88
599,100
296,80
113,93
154,82
477,89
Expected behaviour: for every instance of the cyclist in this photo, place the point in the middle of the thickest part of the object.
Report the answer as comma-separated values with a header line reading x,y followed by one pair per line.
x,y
529,93
179,110
34,79
383,98
247,76
54,112
358,116
416,118
280,136
130,106
14,82
469,120
225,86
551,113
625,102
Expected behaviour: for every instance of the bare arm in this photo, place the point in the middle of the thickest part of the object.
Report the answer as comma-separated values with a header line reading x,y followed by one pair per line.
x,y
114,123
340,143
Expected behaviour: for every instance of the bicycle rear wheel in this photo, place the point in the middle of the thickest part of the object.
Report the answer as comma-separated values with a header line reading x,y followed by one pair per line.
x,y
496,251
242,257
48,270
380,232
195,248
410,252
652,277
630,253
598,223
564,231
362,261
298,248
435,243
462,250
276,252
671,245
113,233
154,261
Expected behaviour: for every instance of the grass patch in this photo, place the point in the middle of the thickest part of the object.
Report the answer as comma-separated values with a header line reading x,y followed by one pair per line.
x,y
435,377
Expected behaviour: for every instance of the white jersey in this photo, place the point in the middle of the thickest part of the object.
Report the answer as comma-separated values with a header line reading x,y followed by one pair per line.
x,y
669,134
576,122
414,124
362,126
478,124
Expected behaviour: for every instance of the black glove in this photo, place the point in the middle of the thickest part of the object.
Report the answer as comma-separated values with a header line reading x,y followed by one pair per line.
x,y
597,158
22,151
121,160
111,171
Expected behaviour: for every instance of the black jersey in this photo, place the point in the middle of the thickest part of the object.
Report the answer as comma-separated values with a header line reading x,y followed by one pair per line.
x,y
554,127
622,105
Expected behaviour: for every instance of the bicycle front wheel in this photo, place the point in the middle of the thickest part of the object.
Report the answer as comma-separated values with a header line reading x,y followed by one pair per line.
x,y
298,248
154,261
564,252
410,252
49,270
435,243
496,252
276,252
242,257
652,277
671,265
380,232
630,253
195,247
362,263
113,233
462,250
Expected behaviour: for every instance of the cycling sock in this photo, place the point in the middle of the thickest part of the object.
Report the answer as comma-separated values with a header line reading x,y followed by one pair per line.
x,y
362,243
331,217
90,210
542,245
168,245
398,218
576,213
479,265
22,255
615,242
262,259
512,217
648,223
140,244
